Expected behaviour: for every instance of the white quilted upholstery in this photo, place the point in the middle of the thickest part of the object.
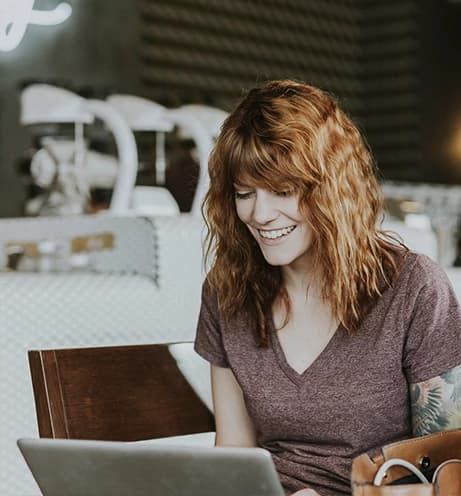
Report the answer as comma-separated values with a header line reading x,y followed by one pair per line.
x,y
147,301
134,239
195,369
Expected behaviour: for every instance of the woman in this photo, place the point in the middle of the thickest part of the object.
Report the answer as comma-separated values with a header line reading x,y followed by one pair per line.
x,y
327,338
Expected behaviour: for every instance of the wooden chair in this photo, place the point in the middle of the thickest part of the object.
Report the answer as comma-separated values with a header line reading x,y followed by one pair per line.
x,y
119,393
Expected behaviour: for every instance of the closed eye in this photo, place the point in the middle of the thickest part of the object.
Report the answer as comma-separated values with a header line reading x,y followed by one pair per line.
x,y
284,193
242,195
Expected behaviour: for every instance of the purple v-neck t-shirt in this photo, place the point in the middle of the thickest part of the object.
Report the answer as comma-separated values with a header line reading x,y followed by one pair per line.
x,y
354,397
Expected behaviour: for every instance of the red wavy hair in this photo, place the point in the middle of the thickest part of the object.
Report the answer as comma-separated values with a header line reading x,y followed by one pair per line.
x,y
289,135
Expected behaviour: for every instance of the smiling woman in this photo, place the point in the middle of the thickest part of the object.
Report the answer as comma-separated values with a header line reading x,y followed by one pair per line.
x,y
306,295
290,137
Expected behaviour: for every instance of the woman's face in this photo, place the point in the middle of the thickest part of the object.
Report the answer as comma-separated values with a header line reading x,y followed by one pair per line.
x,y
274,220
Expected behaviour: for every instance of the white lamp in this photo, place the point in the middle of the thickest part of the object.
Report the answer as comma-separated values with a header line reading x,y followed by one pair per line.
x,y
15,15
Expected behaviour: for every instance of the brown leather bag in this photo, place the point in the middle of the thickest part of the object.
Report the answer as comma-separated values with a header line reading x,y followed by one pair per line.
x,y
435,457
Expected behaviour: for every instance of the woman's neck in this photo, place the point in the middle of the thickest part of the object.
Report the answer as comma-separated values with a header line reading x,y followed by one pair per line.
x,y
299,283
300,274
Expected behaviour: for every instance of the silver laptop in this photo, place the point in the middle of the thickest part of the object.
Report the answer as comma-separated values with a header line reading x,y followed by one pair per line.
x,y
68,467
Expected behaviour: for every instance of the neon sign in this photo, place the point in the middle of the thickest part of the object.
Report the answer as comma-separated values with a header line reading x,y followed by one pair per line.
x,y
16,15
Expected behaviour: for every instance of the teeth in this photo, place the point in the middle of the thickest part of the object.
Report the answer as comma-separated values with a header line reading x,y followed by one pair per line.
x,y
278,233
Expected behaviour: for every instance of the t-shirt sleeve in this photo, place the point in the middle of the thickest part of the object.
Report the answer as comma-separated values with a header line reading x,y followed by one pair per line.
x,y
208,340
433,341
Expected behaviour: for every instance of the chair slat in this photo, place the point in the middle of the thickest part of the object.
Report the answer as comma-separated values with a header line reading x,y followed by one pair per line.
x,y
120,393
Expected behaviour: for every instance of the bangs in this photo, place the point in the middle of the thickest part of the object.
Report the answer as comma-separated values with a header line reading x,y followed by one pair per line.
x,y
257,162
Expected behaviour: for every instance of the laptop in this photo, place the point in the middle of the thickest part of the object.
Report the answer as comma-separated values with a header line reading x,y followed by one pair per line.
x,y
70,467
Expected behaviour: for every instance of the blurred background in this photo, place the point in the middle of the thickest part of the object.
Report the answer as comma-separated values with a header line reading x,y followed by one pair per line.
x,y
393,65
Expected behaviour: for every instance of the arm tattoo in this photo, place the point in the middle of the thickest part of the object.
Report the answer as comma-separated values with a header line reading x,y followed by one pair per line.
x,y
436,403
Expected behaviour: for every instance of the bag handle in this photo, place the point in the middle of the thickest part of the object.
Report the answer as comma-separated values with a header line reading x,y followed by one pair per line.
x,y
440,467
381,473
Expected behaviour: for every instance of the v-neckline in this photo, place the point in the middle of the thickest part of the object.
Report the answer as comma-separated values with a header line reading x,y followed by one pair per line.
x,y
298,377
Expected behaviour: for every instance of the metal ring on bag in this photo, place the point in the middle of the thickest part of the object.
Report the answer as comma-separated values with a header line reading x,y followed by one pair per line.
x,y
424,462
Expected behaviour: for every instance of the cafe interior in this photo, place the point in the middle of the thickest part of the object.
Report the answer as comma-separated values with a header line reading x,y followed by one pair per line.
x,y
109,110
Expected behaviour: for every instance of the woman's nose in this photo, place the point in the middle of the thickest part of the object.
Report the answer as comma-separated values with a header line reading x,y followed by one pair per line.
x,y
263,209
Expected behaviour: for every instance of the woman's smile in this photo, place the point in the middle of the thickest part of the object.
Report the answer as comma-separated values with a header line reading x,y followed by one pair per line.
x,y
275,234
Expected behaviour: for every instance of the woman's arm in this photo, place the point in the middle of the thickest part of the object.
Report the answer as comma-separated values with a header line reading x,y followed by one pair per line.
x,y
436,403
233,424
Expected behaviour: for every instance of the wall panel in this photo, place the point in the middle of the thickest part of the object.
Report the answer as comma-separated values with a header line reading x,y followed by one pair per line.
x,y
211,50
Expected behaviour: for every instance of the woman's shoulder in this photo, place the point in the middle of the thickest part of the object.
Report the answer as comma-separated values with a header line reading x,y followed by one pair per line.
x,y
211,298
209,293
421,266
418,270
207,287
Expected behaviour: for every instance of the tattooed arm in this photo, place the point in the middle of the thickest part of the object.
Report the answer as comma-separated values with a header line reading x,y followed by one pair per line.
x,y
436,403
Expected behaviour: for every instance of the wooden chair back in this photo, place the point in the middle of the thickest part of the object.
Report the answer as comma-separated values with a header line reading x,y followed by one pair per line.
x,y
118,393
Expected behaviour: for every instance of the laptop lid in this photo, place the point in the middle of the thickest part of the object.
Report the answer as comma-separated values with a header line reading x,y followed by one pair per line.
x,y
69,467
